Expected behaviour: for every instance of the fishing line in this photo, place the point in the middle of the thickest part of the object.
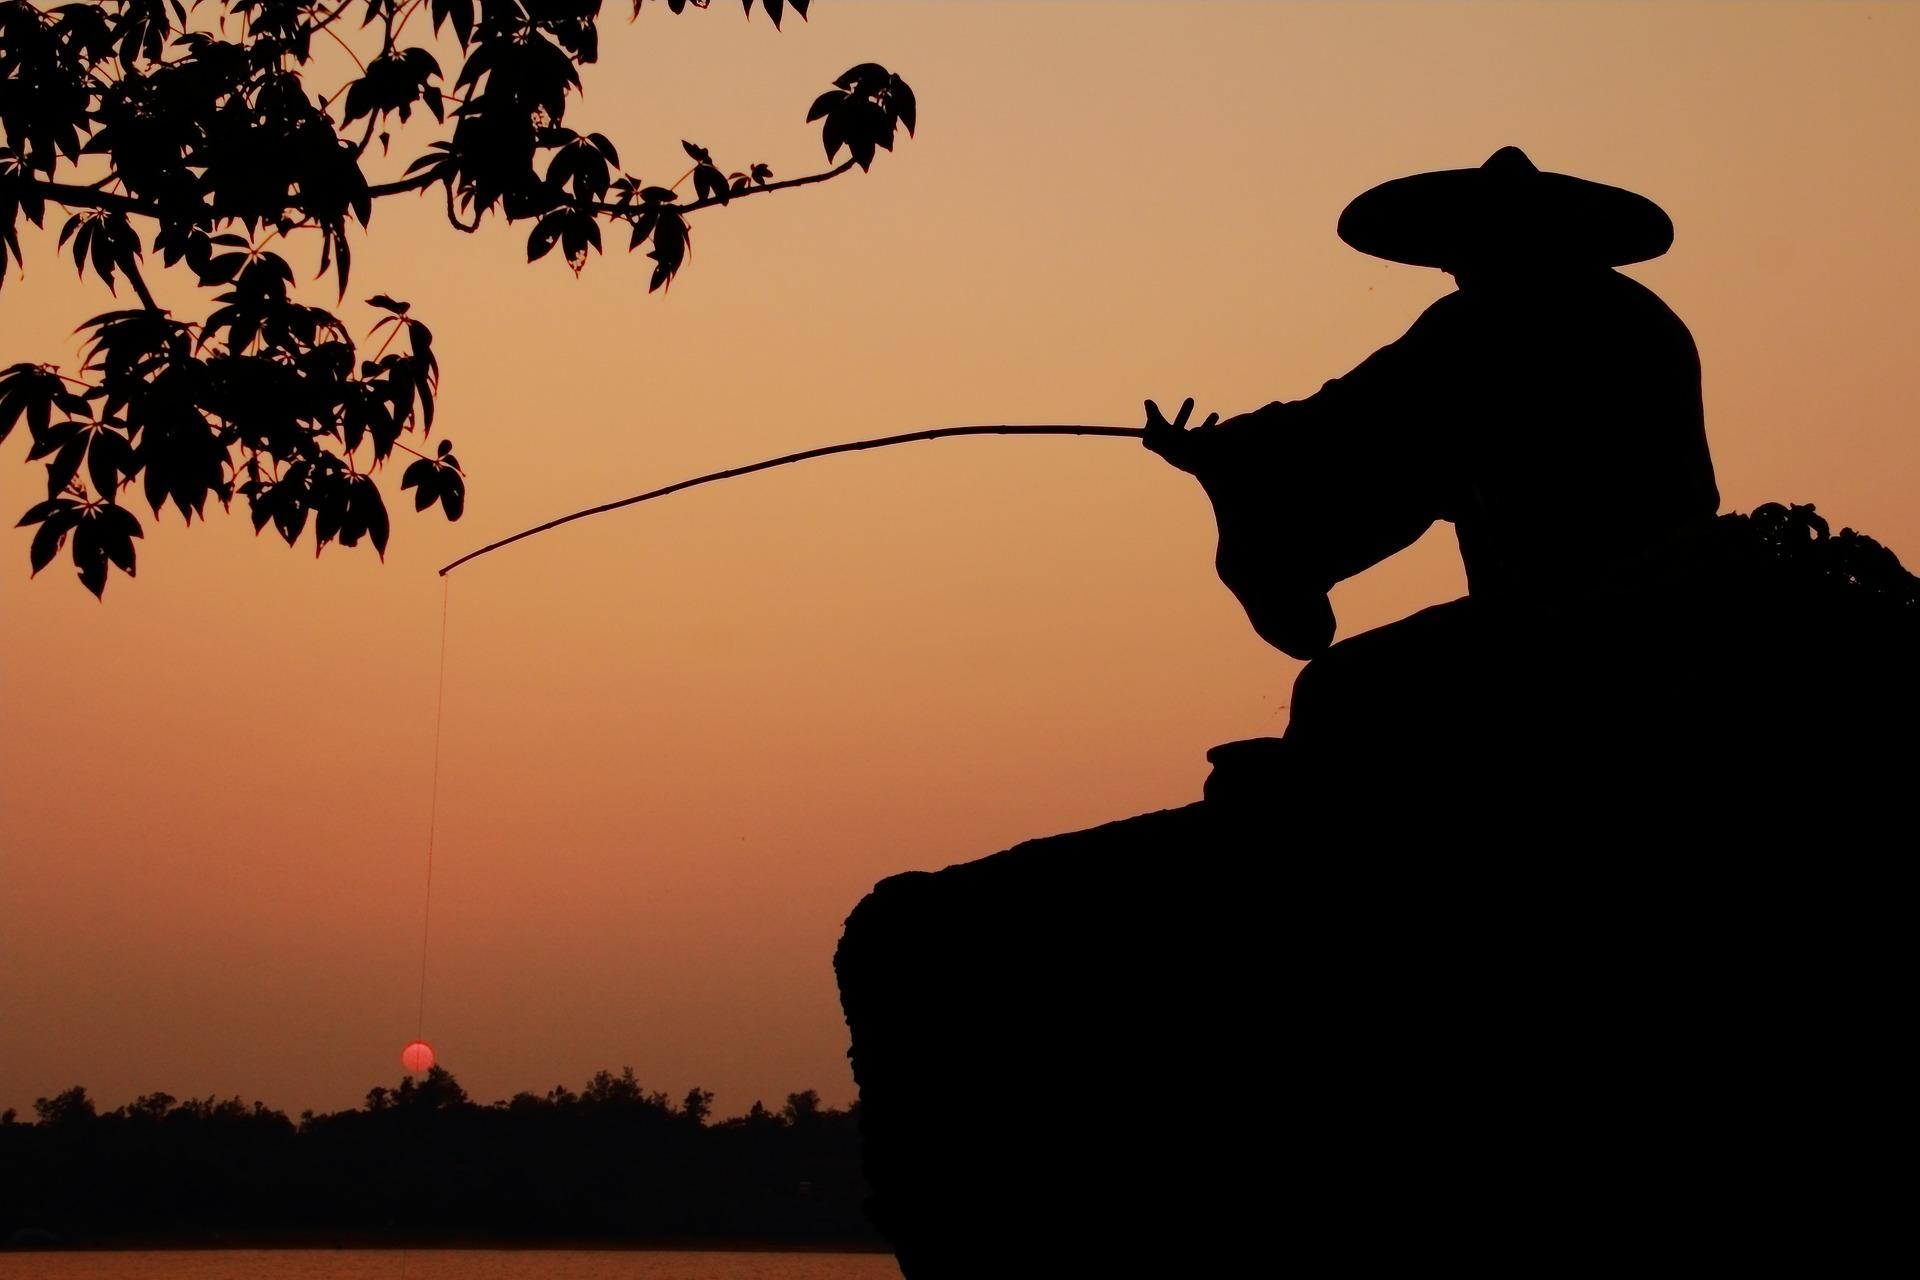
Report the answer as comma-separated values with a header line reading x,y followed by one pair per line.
x,y
425,1059
433,808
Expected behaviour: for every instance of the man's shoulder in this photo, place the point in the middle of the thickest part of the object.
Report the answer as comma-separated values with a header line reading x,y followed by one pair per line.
x,y
1636,304
1445,307
1591,294
1446,314
1630,290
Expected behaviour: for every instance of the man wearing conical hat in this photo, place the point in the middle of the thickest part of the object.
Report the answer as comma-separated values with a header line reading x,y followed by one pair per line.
x,y
1549,408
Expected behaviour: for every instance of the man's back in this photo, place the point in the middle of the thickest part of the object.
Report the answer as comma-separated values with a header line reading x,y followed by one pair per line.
x,y
1569,428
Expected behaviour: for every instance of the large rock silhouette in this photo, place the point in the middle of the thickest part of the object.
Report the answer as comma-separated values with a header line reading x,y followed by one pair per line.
x,y
1612,976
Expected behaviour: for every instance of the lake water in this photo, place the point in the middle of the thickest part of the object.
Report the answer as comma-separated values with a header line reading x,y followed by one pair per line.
x,y
443,1264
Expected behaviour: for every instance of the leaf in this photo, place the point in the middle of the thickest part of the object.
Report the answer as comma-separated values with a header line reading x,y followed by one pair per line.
x,y
424,476
154,483
34,391
710,184
905,109
90,557
867,72
824,103
372,512
259,510
605,148
48,440
581,232
642,228
342,256
459,13
113,245
47,541
670,242
117,529
119,552
546,233
360,100
453,492
81,228
121,520
221,268
385,303
66,464
40,511
290,521
109,456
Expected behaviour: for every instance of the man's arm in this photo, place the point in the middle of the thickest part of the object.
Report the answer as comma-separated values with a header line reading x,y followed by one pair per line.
x,y
1309,492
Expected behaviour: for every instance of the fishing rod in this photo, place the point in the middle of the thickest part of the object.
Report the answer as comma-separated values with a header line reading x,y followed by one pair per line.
x,y
937,433
418,1056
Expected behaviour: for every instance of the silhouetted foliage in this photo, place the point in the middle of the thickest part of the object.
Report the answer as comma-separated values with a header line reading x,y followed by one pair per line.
x,y
613,1161
1799,536
189,132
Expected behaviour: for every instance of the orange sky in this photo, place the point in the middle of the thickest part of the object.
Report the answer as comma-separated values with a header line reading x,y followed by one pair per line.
x,y
681,742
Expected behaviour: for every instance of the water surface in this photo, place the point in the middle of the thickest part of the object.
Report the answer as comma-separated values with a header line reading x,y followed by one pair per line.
x,y
443,1264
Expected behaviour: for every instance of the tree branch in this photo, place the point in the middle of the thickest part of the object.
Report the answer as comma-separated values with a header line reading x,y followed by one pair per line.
x,y
711,201
134,278
73,196
329,20
77,197
809,180
418,182
453,215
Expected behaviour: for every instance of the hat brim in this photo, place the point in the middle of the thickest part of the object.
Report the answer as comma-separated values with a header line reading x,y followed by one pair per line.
x,y
1463,217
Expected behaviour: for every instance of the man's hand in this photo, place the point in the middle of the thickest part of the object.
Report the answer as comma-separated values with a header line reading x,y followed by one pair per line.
x,y
1172,440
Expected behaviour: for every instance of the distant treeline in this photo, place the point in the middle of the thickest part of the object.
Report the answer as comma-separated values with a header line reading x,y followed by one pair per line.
x,y
422,1162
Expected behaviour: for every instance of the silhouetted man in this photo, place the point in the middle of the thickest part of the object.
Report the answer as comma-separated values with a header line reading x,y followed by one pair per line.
x,y
1549,408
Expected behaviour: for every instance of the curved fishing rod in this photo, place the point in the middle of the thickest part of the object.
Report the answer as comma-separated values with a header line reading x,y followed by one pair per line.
x,y
937,433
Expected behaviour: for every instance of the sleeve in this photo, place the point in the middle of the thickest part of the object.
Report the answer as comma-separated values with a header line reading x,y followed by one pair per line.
x,y
1309,492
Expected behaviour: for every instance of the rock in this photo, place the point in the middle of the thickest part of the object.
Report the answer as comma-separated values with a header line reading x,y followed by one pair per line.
x,y
1613,972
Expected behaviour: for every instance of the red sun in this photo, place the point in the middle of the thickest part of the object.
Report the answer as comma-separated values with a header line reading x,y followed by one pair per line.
x,y
417,1057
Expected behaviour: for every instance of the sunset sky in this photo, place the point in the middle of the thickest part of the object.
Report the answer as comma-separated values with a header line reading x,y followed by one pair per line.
x,y
680,742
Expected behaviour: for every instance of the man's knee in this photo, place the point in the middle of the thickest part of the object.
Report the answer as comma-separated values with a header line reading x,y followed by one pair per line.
x,y
1399,674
